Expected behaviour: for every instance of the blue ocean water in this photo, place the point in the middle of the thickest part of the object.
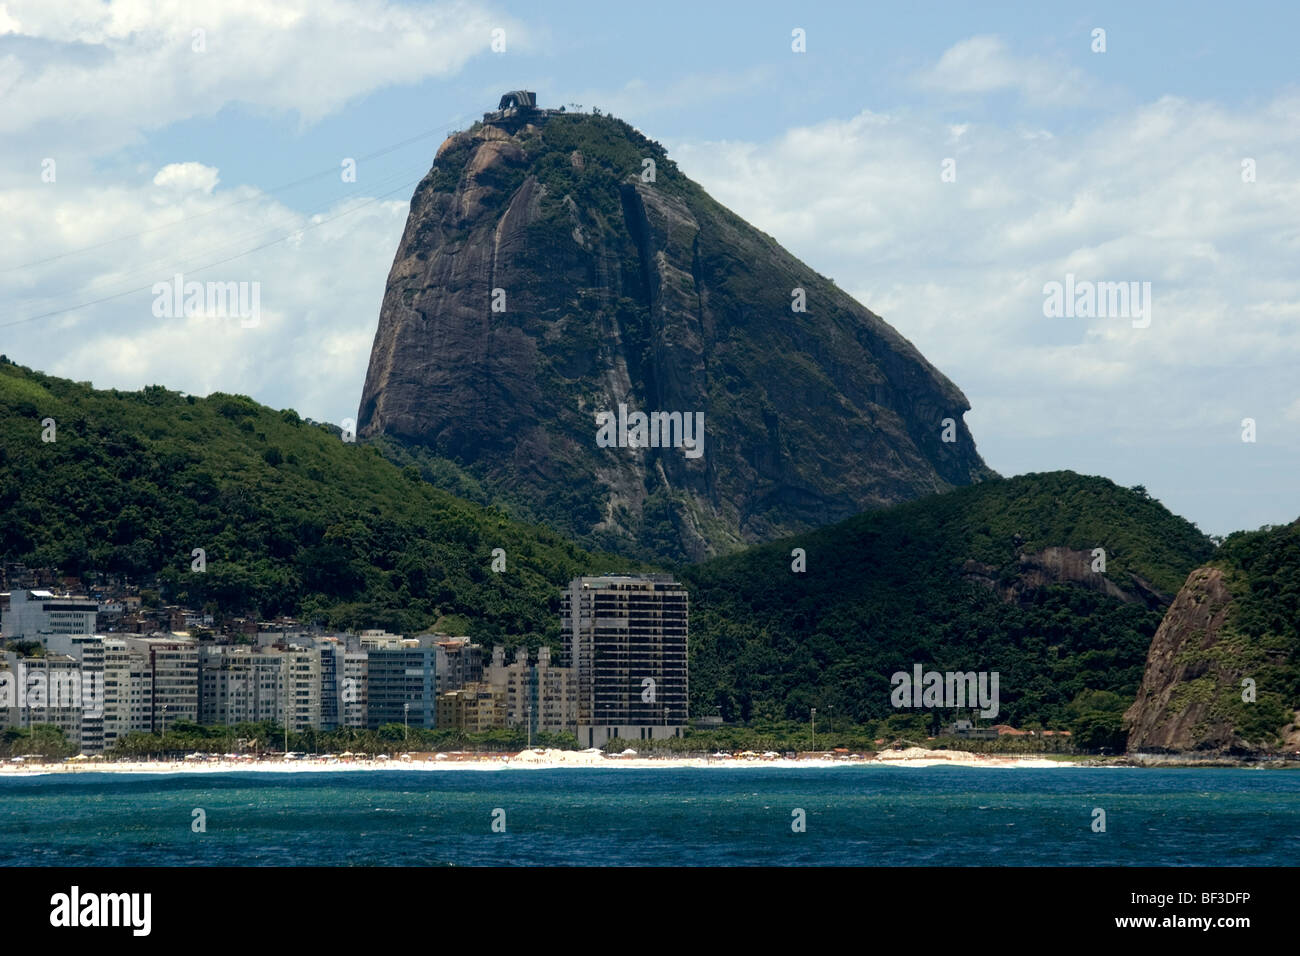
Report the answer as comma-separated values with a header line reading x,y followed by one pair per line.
x,y
874,816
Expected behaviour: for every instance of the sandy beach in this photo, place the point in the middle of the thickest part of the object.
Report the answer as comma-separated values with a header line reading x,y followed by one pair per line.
x,y
526,760
920,757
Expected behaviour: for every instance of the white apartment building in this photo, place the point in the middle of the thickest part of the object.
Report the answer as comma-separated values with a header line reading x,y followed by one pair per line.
x,y
128,691
88,651
300,673
239,684
43,690
33,614
174,664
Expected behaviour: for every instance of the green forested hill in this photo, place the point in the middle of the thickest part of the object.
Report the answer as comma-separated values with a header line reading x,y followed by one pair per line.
x,y
293,520
940,582
1263,628
1266,587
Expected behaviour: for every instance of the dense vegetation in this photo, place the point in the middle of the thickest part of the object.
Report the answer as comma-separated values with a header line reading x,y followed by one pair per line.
x,y
293,520
886,590
1261,635
42,740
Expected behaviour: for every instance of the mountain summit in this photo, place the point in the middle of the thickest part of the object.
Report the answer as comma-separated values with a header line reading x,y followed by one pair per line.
x,y
563,294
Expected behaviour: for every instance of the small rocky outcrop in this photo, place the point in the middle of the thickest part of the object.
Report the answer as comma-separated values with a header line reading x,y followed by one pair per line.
x,y
1061,565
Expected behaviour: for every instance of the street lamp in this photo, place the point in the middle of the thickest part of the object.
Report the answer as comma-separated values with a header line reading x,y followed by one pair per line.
x,y
406,722
814,728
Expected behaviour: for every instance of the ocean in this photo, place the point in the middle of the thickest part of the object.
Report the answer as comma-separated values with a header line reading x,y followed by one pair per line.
x,y
874,816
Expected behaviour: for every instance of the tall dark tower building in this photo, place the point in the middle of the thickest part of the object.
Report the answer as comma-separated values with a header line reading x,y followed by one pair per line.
x,y
625,638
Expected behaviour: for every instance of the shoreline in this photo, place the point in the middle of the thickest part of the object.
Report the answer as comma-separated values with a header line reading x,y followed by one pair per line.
x,y
532,760
916,757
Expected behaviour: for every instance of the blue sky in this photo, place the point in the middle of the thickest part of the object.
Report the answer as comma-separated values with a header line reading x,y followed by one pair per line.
x,y
1115,166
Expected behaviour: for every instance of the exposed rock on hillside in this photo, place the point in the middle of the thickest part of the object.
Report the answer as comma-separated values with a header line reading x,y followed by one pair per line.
x,y
1058,565
1223,671
618,290
1173,710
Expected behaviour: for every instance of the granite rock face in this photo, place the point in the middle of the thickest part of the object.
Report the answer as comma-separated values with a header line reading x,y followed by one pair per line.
x,y
1223,669
1169,714
560,268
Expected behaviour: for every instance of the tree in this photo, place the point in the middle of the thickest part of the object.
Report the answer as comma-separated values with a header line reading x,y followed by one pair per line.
x,y
1098,730
50,741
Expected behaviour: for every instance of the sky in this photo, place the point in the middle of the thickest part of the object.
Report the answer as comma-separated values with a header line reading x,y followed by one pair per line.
x,y
945,163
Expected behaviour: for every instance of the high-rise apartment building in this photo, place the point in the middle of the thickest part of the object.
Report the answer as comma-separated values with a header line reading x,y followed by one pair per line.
x,y
88,651
626,640
457,663
541,696
354,692
174,664
238,684
331,681
128,691
400,680
300,676
44,690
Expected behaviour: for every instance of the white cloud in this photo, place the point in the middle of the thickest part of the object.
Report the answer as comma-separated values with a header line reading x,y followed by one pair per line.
x,y
109,71
81,78
983,64
320,290
187,176
7,23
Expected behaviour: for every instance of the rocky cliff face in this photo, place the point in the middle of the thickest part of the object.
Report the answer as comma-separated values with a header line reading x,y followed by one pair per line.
x,y
1175,709
1223,670
544,279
